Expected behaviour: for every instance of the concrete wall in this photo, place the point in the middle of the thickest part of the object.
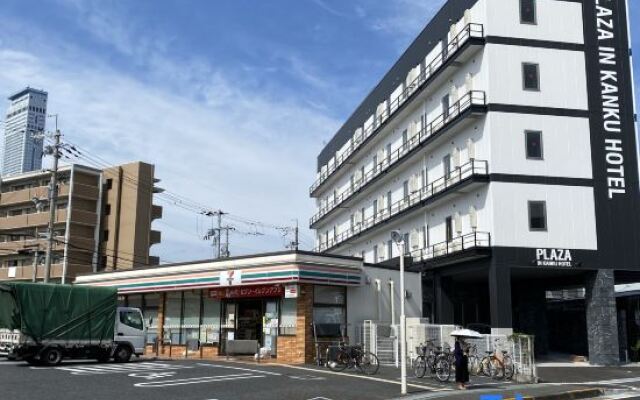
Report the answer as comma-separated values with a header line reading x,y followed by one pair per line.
x,y
366,302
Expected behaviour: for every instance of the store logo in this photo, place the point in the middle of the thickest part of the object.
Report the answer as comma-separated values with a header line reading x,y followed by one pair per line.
x,y
554,258
230,278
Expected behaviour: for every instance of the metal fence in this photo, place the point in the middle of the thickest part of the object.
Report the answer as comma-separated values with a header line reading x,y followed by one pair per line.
x,y
382,339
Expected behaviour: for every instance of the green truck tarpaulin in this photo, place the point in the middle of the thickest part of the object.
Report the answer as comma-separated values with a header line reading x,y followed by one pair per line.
x,y
58,312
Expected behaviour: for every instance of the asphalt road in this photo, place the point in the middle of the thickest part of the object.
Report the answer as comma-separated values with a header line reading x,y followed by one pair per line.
x,y
208,380
189,380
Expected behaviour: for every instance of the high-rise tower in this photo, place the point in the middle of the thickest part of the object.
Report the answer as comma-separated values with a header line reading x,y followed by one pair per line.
x,y
25,119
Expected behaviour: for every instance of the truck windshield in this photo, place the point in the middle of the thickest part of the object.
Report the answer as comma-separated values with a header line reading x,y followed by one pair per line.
x,y
132,319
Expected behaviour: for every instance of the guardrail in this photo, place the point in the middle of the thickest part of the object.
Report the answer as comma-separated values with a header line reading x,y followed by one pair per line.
x,y
470,31
465,242
474,97
440,185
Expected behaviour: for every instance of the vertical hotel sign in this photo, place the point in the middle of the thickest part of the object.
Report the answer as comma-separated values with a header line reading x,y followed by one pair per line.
x,y
612,125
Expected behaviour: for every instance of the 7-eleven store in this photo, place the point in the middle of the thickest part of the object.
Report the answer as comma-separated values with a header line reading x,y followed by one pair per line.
x,y
201,309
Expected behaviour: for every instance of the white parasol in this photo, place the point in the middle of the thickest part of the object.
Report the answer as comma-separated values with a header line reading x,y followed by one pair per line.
x,y
466,333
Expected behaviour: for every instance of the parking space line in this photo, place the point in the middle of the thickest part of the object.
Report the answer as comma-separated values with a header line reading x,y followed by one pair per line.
x,y
240,369
202,379
371,378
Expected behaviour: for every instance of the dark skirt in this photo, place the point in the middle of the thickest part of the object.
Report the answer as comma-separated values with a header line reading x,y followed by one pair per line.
x,y
462,370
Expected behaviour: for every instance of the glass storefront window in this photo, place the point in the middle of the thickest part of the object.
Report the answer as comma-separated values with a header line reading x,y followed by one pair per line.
x,y
134,300
329,295
288,316
329,315
150,314
191,318
210,328
172,317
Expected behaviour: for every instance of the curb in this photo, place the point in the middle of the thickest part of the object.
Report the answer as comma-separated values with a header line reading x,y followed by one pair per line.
x,y
570,395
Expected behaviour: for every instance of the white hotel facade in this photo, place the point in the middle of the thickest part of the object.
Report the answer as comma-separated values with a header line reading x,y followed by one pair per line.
x,y
502,145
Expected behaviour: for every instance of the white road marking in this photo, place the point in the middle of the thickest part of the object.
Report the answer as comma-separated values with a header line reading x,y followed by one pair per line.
x,y
307,377
7,363
240,369
101,369
152,375
371,378
202,379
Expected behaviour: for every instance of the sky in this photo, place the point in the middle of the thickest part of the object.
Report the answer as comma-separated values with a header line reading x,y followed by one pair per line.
x,y
231,100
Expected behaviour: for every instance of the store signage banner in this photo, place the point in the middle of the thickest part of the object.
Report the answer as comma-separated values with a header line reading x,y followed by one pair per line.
x,y
291,291
554,258
613,136
247,291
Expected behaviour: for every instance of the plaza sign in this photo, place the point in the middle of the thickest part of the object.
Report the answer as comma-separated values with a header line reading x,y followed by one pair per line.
x,y
554,258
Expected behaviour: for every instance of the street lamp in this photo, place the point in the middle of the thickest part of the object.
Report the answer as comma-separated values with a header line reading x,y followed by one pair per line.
x,y
399,241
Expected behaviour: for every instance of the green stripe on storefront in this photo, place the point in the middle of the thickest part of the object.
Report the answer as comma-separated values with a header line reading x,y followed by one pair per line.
x,y
168,283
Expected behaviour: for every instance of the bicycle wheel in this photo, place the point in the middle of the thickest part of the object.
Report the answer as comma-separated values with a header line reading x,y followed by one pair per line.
x,y
419,367
442,370
509,368
486,366
369,363
340,363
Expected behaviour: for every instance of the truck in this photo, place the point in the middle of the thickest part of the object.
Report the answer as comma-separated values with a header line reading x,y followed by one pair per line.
x,y
44,323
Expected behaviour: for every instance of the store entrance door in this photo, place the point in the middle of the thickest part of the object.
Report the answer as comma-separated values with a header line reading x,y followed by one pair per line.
x,y
242,320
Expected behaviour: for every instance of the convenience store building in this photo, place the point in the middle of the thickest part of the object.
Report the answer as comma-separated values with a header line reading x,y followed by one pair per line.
x,y
283,301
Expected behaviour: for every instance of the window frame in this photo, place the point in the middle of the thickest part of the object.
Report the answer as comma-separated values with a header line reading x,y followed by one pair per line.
x,y
535,13
544,210
526,145
524,77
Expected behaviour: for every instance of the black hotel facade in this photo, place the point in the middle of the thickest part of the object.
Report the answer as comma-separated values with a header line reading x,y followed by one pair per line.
x,y
502,144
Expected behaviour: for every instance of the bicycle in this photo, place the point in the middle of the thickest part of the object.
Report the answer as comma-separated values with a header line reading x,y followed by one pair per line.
x,y
474,361
432,359
354,356
497,367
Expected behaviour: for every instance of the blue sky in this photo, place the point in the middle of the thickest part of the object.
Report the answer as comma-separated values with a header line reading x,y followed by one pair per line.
x,y
231,100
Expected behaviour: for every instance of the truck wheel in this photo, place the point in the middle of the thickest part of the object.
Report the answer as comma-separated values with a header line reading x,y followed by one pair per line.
x,y
122,354
51,356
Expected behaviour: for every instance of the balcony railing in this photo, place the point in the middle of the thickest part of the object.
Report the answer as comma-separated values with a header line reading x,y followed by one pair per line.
x,y
473,168
473,98
453,47
469,241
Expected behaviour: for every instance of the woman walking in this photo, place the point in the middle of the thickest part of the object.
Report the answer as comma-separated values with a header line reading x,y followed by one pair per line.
x,y
462,364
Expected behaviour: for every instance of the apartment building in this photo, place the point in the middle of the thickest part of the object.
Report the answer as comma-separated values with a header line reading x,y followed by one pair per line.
x,y
502,146
24,121
103,221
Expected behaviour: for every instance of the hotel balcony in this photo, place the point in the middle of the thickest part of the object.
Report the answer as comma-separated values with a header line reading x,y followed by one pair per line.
x,y
459,49
156,212
463,179
471,104
462,248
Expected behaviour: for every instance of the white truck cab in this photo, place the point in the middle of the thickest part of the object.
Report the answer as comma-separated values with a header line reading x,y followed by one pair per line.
x,y
129,332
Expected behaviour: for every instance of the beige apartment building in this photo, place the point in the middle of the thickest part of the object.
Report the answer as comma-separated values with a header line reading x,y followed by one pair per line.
x,y
103,221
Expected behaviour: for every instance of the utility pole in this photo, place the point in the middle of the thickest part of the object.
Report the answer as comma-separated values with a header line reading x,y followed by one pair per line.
x,y
53,197
295,240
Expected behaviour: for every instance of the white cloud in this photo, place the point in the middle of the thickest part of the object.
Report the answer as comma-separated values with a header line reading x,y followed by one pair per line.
x,y
404,19
211,139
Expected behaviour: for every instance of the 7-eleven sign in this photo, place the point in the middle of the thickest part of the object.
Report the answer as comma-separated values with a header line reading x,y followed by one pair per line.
x,y
231,277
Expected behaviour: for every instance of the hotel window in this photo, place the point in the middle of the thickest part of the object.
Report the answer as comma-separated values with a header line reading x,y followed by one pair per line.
x,y
375,254
404,139
449,228
390,249
407,249
445,106
534,144
405,190
446,165
531,77
528,12
538,215
389,202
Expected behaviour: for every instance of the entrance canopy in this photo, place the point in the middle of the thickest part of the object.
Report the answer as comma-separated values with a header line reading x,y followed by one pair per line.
x,y
261,269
